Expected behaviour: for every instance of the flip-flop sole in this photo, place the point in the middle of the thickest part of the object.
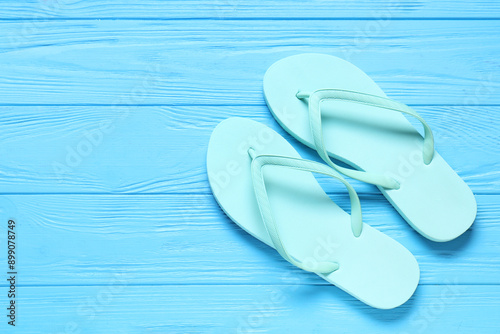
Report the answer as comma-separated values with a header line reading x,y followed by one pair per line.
x,y
433,199
373,267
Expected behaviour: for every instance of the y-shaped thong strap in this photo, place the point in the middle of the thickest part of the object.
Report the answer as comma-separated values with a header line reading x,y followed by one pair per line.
x,y
315,99
258,162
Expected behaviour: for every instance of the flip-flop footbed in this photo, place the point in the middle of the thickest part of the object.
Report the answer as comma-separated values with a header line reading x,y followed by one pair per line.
x,y
373,267
432,198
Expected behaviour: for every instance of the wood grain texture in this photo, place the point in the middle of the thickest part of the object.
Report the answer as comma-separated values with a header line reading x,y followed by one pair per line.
x,y
163,149
227,9
124,236
217,62
119,307
187,239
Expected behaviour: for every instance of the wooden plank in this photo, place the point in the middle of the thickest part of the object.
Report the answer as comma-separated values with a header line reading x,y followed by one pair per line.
x,y
134,62
227,9
187,239
119,307
163,149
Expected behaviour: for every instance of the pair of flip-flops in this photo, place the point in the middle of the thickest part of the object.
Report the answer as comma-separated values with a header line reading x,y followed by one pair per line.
x,y
330,105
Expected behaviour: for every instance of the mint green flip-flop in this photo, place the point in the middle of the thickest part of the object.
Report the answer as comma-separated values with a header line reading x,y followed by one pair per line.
x,y
333,107
263,185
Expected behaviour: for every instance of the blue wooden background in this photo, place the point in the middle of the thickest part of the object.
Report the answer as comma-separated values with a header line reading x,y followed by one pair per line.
x,y
120,234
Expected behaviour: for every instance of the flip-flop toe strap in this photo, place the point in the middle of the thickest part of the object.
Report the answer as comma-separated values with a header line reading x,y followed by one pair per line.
x,y
258,162
315,115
